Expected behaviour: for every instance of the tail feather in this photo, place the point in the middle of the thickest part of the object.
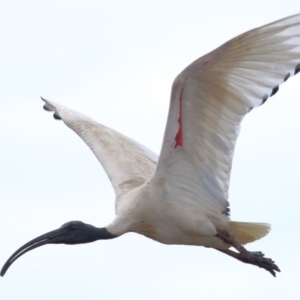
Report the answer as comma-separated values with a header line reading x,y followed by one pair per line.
x,y
245,232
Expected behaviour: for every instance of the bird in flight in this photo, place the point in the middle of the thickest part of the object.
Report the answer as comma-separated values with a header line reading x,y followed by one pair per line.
x,y
181,197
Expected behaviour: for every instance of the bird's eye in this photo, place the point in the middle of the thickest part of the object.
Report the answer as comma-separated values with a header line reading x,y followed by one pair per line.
x,y
73,227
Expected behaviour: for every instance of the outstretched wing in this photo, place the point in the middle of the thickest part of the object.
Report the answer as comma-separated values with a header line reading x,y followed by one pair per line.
x,y
208,102
127,163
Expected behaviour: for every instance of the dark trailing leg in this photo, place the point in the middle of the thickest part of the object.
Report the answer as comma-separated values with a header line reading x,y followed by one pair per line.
x,y
245,256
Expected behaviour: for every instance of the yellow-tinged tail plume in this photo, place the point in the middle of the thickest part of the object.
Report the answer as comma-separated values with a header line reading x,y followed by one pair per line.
x,y
245,232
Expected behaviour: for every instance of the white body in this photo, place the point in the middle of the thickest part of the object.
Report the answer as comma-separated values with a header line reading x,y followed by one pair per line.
x,y
165,217
182,196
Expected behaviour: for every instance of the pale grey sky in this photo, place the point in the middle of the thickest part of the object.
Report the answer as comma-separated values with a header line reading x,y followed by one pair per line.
x,y
115,61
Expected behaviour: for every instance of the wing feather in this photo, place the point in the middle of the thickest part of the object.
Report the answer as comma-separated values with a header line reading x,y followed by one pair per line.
x,y
216,91
127,163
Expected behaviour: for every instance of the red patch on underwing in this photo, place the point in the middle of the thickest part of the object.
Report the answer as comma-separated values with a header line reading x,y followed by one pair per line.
x,y
178,137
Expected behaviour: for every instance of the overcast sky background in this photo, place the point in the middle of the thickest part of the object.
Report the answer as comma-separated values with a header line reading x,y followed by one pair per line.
x,y
115,61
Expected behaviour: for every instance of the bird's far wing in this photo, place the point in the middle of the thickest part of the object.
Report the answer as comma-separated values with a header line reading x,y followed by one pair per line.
x,y
208,102
127,163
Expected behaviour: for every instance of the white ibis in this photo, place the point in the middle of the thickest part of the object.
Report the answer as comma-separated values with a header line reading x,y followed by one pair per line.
x,y
182,196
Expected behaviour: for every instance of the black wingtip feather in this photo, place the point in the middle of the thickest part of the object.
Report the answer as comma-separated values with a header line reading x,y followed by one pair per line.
x,y
56,116
274,91
297,69
287,76
264,100
46,108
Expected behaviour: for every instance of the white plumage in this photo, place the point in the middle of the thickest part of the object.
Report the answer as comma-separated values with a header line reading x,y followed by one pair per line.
x,y
182,196
183,199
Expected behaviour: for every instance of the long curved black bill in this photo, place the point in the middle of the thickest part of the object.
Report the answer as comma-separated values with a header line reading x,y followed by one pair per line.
x,y
44,239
